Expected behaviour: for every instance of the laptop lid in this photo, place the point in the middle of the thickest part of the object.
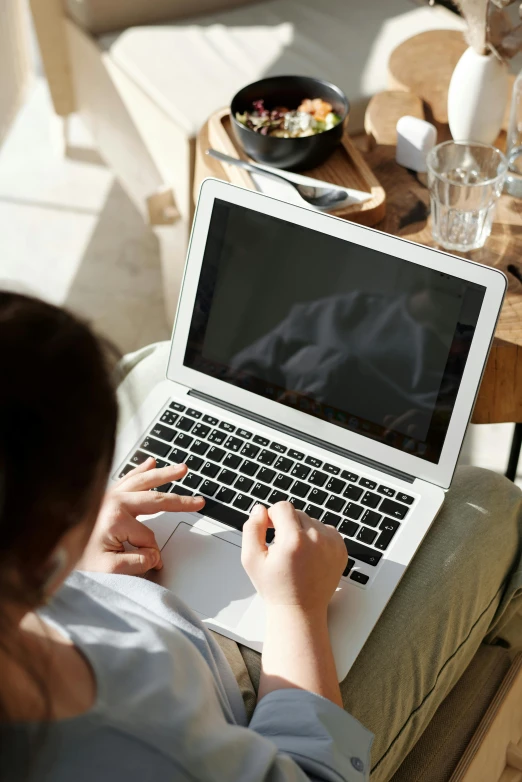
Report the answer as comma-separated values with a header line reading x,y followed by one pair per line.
x,y
340,333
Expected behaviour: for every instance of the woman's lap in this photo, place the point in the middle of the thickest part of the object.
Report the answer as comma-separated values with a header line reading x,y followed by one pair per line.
x,y
463,586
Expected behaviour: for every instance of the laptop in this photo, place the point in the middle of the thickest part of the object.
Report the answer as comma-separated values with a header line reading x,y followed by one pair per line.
x,y
320,362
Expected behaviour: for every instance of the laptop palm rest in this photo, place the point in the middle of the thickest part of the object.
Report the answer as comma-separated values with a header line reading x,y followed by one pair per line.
x,y
205,571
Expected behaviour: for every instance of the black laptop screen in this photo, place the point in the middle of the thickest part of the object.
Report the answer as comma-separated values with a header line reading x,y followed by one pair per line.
x,y
361,339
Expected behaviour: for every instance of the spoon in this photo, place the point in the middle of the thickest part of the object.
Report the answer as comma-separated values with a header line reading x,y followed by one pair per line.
x,y
313,191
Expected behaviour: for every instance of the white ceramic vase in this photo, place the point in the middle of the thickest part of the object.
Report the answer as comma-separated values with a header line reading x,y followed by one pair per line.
x,y
477,97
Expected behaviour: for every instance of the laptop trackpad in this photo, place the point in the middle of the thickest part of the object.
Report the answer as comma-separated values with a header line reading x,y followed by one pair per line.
x,y
205,571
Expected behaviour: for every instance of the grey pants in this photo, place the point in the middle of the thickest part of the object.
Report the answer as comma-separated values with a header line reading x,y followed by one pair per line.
x,y
464,587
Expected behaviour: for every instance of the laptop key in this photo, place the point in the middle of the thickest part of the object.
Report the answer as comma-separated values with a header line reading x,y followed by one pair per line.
x,y
367,535
394,509
156,446
277,496
389,527
243,502
250,450
283,482
225,495
184,440
331,468
169,417
139,457
266,475
405,498
243,484
349,528
227,477
177,456
297,503
278,447
233,444
362,553
217,437
335,503
232,461
300,489
313,461
192,480
249,468
353,492
181,491
261,441
177,406
266,457
371,500
313,511
226,514
200,430
283,463
300,471
335,485
165,487
318,478
200,447
208,419
227,427
216,454
317,496
331,518
126,470
209,488
296,455
386,490
165,432
244,433
194,462
160,463
353,511
367,483
361,578
210,469
349,566
261,491
185,424
371,517
193,413
349,476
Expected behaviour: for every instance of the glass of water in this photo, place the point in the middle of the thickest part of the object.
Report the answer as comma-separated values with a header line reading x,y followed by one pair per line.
x,y
465,180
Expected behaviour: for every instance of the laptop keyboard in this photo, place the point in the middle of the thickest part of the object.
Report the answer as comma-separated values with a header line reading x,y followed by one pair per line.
x,y
234,468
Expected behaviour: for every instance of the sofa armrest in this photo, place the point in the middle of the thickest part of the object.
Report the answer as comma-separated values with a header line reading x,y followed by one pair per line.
x,y
49,24
106,16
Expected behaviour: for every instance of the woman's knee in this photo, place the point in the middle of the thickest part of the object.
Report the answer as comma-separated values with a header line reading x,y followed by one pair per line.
x,y
486,491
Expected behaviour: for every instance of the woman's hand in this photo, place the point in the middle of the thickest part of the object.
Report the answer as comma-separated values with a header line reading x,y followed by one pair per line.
x,y
302,567
117,523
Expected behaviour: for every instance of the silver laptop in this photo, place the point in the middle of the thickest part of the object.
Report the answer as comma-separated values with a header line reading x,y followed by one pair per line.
x,y
316,361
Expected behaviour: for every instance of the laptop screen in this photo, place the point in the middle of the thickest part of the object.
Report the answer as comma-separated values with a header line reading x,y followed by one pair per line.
x,y
366,341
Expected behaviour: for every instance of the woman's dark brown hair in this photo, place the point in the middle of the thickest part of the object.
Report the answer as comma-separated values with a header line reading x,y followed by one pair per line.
x,y
58,417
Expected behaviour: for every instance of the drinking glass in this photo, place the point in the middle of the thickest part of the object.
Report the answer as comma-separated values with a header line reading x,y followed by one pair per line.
x,y
465,179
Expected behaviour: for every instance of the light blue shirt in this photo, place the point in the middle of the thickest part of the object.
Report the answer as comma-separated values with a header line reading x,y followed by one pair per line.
x,y
168,708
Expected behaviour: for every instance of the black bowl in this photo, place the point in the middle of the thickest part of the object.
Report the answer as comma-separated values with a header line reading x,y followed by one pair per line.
x,y
294,154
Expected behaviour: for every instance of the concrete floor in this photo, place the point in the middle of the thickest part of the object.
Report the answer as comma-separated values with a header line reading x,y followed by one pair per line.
x,y
70,235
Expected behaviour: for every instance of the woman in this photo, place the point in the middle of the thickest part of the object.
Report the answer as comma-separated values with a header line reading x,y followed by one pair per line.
x,y
106,676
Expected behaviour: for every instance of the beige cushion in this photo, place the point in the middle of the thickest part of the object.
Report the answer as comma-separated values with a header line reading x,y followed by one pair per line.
x,y
193,68
105,16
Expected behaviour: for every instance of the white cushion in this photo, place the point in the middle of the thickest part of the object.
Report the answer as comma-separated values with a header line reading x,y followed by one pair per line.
x,y
193,68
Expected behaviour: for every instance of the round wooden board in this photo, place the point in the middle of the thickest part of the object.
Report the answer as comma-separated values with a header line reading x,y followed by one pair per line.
x,y
385,109
423,65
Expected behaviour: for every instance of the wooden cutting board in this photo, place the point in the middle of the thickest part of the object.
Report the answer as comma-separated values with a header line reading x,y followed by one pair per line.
x,y
346,167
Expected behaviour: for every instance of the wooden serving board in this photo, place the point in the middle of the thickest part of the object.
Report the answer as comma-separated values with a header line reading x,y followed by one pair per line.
x,y
346,167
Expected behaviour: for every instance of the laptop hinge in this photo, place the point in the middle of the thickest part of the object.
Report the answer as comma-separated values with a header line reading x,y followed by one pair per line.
x,y
302,436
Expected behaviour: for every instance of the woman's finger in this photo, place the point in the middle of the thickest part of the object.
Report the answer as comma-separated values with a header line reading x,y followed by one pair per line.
x,y
144,502
153,478
129,530
254,534
136,563
148,464
285,519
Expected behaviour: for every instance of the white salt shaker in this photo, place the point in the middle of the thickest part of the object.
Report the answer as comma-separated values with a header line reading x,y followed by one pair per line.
x,y
415,138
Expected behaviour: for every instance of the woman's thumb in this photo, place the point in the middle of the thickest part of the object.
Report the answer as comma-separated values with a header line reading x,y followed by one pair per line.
x,y
138,562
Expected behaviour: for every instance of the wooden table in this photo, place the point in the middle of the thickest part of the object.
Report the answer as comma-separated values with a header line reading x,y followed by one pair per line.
x,y
500,395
